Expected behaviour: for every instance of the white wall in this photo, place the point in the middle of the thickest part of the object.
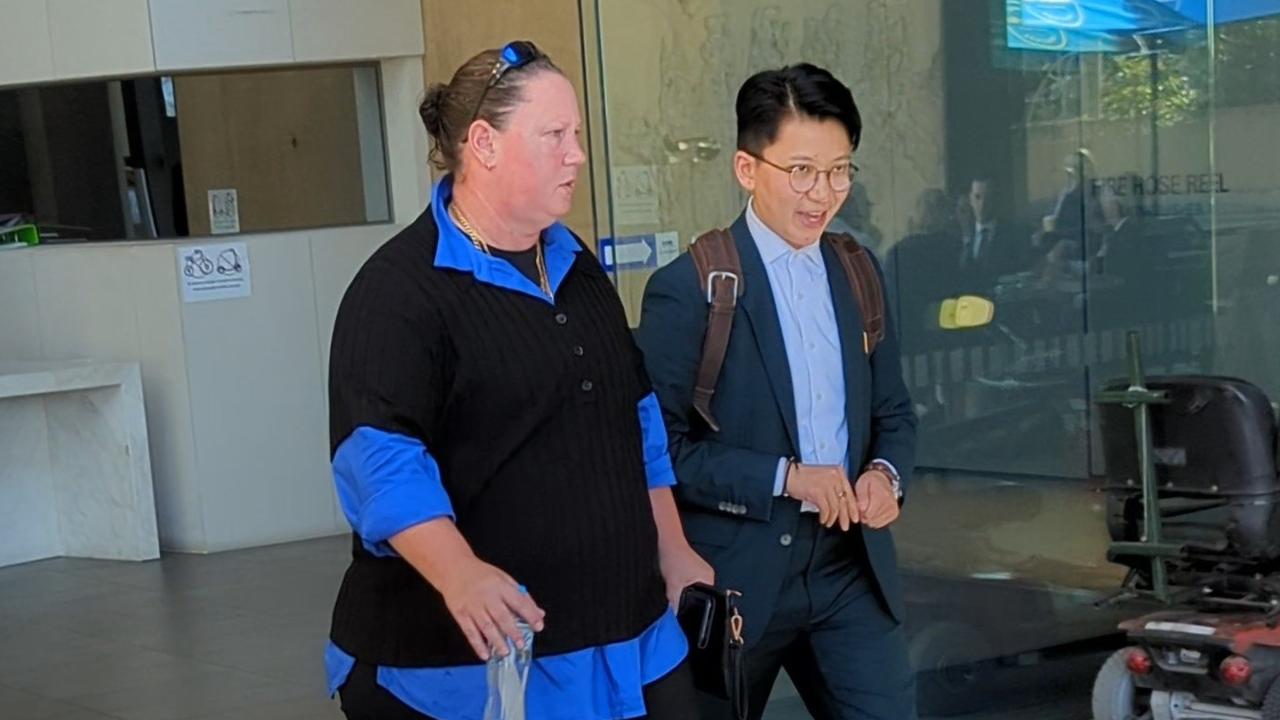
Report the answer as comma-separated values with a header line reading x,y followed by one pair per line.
x,y
20,321
257,369
113,302
75,39
235,389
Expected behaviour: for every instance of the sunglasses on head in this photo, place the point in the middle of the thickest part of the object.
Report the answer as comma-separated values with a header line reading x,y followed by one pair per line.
x,y
514,56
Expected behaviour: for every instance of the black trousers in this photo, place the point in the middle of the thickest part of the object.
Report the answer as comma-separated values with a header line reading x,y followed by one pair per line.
x,y
670,698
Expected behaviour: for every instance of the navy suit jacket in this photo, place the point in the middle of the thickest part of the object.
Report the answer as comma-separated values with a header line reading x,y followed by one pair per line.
x,y
726,478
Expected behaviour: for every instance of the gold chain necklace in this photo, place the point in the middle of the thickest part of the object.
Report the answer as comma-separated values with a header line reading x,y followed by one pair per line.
x,y
474,236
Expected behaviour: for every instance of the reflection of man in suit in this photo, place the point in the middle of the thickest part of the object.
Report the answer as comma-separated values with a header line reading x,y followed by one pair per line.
x,y
990,248
792,496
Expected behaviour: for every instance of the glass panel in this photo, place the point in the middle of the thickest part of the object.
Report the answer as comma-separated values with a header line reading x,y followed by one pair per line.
x,y
1093,167
152,157
1245,211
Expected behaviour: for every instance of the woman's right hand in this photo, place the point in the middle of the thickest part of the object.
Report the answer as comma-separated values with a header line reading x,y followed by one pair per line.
x,y
485,602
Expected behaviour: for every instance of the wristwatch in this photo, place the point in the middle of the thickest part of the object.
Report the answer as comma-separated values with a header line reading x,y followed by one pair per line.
x,y
792,464
895,480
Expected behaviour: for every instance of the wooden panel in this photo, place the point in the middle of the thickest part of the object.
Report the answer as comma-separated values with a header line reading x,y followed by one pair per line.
x,y
456,31
286,140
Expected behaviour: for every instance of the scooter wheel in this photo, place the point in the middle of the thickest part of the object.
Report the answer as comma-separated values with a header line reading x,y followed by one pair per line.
x,y
1115,697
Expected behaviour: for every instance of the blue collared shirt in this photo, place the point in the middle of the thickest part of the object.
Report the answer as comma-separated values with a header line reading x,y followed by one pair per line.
x,y
387,483
798,279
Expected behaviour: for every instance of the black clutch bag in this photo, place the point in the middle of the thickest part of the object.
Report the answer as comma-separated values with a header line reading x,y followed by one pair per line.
x,y
710,619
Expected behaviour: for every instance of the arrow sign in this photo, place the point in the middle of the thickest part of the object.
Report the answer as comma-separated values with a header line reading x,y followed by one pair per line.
x,y
629,253
635,252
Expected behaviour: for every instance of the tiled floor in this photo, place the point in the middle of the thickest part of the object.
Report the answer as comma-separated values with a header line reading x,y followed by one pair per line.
x,y
233,635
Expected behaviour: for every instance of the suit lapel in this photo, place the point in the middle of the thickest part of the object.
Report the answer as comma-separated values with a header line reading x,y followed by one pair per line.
x,y
849,326
761,311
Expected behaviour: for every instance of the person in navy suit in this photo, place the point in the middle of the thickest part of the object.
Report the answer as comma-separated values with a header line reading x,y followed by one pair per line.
x,y
791,500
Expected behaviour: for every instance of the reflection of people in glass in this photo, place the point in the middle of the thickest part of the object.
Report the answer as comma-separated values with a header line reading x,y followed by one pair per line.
x,y
1077,209
1075,224
991,246
922,268
978,224
1122,220
1148,267
792,496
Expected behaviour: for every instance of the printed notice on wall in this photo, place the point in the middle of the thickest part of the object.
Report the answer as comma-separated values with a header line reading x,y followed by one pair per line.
x,y
668,247
214,272
224,212
635,196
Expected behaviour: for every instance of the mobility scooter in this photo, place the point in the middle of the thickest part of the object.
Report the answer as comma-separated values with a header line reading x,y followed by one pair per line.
x,y
1193,504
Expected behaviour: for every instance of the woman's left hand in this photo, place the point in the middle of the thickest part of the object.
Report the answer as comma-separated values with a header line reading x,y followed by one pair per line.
x,y
682,567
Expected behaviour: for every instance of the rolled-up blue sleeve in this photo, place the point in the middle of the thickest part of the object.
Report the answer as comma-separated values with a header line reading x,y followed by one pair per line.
x,y
387,483
657,460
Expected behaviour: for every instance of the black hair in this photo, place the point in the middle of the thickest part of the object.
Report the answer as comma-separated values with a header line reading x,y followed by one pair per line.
x,y
803,90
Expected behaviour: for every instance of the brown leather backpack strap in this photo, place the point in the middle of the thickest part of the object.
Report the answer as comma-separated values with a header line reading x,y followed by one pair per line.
x,y
866,286
715,257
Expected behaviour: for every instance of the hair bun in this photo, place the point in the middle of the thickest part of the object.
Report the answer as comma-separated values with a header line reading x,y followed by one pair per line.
x,y
431,112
